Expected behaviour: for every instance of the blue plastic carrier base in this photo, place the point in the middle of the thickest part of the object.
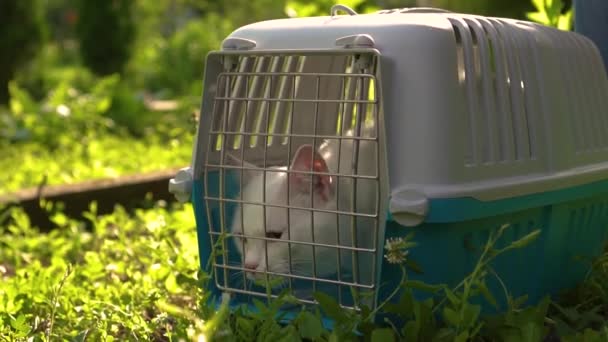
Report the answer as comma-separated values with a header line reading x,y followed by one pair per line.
x,y
573,224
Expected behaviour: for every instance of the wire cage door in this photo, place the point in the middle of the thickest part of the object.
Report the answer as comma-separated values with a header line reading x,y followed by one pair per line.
x,y
292,181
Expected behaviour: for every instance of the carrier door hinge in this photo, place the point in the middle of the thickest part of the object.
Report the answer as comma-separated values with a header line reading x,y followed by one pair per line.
x,y
356,41
236,43
181,185
362,62
409,207
229,62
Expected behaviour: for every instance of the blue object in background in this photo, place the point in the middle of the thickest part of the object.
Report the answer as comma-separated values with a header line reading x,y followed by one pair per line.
x,y
591,20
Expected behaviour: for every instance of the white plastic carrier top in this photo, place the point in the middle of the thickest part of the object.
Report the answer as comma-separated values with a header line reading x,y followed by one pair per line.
x,y
472,106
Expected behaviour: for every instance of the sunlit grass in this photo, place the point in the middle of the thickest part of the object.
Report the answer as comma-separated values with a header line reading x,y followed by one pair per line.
x,y
32,164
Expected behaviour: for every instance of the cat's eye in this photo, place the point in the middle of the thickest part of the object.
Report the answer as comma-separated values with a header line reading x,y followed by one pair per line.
x,y
274,235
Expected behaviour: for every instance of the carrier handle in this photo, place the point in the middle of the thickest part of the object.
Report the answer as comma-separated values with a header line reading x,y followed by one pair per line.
x,y
425,10
410,10
336,8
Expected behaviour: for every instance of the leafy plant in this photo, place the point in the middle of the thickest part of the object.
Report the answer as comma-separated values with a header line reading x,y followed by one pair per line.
x,y
76,134
298,8
585,306
461,318
21,37
137,277
105,33
173,67
98,285
550,13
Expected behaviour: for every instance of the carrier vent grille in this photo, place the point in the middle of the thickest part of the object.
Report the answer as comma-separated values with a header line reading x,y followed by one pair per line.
x,y
582,220
586,93
496,68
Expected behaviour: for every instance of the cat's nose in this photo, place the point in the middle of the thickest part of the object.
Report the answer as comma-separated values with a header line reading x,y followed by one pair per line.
x,y
251,265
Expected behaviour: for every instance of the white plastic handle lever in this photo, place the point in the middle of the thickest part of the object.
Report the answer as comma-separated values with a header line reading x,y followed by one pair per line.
x,y
335,8
181,185
356,41
235,43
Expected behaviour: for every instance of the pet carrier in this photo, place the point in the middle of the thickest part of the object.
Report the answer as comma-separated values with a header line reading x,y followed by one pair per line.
x,y
321,138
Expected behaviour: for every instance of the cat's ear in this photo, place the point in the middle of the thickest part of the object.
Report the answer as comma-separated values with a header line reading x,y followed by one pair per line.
x,y
248,173
307,159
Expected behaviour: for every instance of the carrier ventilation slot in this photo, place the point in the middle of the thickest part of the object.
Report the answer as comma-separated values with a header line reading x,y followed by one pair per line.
x,y
581,217
498,73
585,91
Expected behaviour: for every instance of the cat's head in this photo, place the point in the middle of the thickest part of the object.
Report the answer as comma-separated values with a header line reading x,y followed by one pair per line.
x,y
282,224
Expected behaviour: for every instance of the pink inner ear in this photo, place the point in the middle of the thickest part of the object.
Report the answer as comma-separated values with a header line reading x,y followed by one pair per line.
x,y
306,159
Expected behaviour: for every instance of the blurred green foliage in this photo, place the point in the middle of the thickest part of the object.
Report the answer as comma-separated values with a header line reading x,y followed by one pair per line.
x,y
79,132
21,36
99,285
63,116
159,46
173,67
78,111
136,276
299,8
501,8
105,31
91,83
553,13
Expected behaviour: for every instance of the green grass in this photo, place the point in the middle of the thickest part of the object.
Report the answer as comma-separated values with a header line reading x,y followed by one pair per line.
x,y
109,156
136,277
98,130
105,283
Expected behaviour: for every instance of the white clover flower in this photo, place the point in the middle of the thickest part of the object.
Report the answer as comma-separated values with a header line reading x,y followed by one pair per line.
x,y
396,252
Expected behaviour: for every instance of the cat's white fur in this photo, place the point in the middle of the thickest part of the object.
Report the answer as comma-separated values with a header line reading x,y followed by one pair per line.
x,y
299,226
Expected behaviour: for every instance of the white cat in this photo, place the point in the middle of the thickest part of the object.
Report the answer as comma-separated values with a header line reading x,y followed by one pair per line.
x,y
299,225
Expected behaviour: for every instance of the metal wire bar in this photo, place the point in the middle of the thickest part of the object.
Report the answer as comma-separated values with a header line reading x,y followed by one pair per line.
x,y
297,73
307,243
330,211
302,300
376,232
222,188
264,196
241,185
226,98
353,198
333,174
312,197
207,207
300,277
341,107
290,120
295,135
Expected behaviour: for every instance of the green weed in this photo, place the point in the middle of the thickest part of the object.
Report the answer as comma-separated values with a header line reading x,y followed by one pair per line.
x,y
138,278
80,134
